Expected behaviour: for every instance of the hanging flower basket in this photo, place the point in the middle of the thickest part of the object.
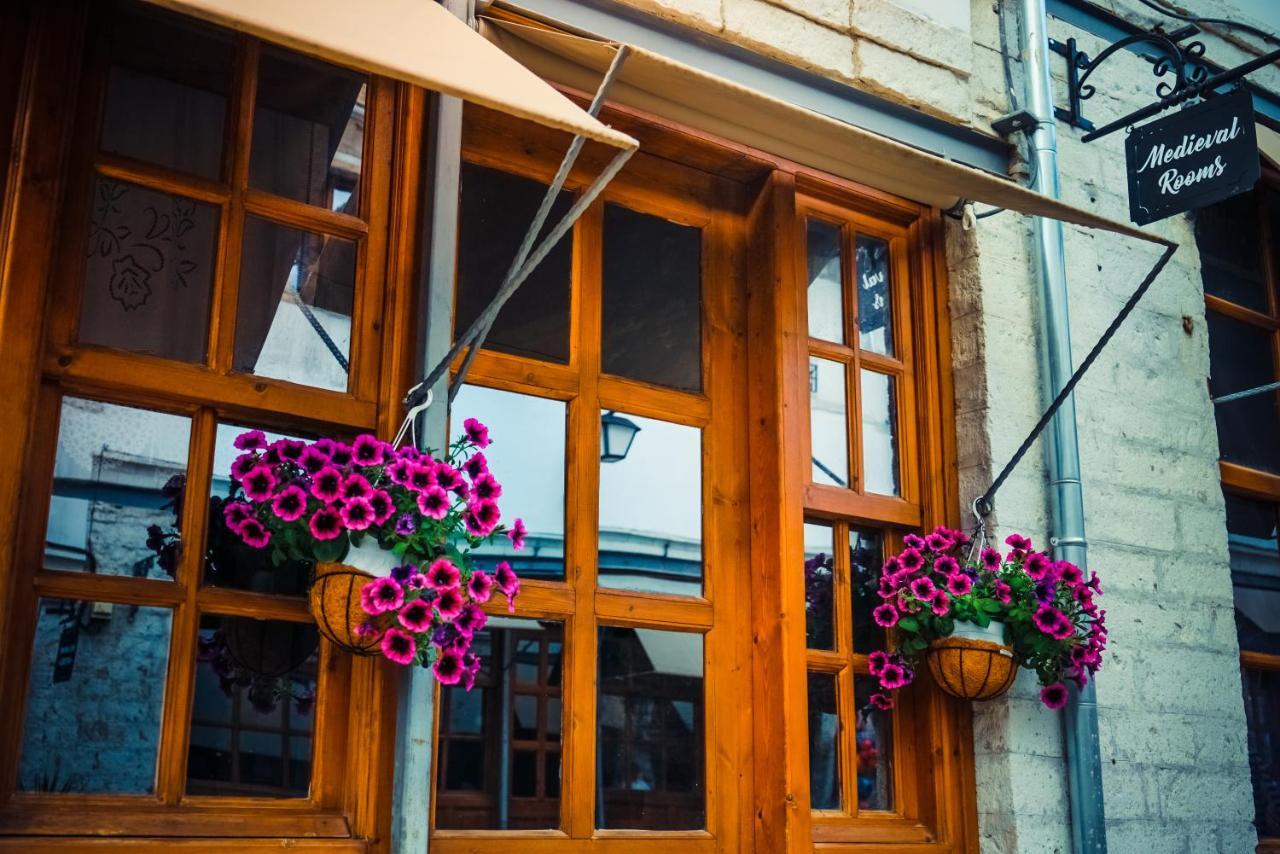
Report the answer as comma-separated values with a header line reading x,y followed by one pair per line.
x,y
973,663
976,616
391,533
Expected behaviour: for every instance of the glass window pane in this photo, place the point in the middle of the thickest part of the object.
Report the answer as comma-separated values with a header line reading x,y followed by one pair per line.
x,y
824,742
95,697
653,544
1255,571
1241,358
819,581
1227,236
828,422
166,98
297,292
652,308
649,760
866,557
496,209
148,274
484,783
308,130
228,561
875,748
532,483
875,330
826,290
255,701
1262,709
118,482
879,433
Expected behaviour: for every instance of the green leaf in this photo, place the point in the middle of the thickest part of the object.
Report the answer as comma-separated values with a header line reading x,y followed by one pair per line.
x,y
909,624
982,620
945,625
330,551
991,606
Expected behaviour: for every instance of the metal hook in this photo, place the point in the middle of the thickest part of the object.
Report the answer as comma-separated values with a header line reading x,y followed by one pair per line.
x,y
410,421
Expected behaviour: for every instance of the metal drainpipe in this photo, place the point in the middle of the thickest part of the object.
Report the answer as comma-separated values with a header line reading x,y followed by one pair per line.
x,y
1062,449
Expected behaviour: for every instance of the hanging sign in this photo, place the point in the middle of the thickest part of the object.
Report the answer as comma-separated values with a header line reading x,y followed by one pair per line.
x,y
1192,159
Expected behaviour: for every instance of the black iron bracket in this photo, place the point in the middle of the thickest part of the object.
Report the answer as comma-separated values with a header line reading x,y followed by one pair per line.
x,y
1077,61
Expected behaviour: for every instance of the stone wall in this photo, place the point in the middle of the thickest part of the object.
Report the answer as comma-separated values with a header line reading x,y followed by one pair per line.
x,y
1172,723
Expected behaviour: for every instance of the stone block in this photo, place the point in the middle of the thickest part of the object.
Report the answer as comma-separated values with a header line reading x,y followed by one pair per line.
x,y
888,23
900,77
701,14
831,13
789,37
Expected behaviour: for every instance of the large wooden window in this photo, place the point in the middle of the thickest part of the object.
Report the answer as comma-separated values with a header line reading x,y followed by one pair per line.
x,y
1241,273
219,266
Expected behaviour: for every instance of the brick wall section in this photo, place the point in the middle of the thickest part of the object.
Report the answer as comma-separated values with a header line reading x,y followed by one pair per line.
x,y
1172,723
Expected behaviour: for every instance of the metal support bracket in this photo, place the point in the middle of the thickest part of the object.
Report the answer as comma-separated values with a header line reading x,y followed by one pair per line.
x,y
1077,61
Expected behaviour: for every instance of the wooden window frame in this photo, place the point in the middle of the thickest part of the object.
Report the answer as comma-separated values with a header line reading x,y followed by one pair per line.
x,y
46,221
1237,479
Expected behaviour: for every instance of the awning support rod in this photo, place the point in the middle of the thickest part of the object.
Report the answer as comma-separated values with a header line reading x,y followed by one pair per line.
x,y
526,261
1249,392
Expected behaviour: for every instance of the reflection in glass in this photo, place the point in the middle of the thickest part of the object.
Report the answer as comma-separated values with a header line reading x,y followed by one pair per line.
x,y
824,742
651,327
166,98
875,332
254,708
879,433
1262,709
826,299
308,130
118,482
828,422
228,561
496,208
532,483
866,557
95,697
649,754
148,274
819,579
1255,570
1228,238
499,751
1243,358
874,748
651,512
293,317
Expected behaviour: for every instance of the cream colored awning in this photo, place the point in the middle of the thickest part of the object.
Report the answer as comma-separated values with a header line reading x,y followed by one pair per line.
x,y
416,41
1269,144
664,87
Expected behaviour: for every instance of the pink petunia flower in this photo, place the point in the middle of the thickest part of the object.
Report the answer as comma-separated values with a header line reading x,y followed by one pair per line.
x,y
326,524
235,513
941,604
355,486
290,503
449,604
254,533
357,514
959,584
399,646
481,517
340,454
252,440
448,477
416,616
894,676
259,483
368,450
1054,696
480,586
991,559
938,542
477,433
471,620
326,484
911,560
876,662
486,486
312,460
290,450
1004,593
1037,565
1018,543
399,470
913,541
476,465
449,667
381,595
885,615
242,465
442,575
434,502
922,589
420,477
883,702
508,582
517,534
382,506
947,565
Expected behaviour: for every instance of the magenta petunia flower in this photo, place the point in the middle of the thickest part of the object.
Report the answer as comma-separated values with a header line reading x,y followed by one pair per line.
x,y
913,541
959,584
449,667
398,471
894,676
1052,622
922,589
517,534
486,486
1054,696
355,486
326,524
340,454
442,575
470,671
891,568
471,620
259,483
906,603
312,460
477,433
887,588
883,702
946,565
481,517
252,440
383,506
938,542
235,514
290,450
876,662
911,560
885,615
399,646
480,586
381,595
1017,542
242,465
325,446
1069,574
254,533
941,604
1004,593
448,477
991,559
327,484
357,514
449,603
290,503
508,582
420,477
416,581
1037,565
476,465
368,450
434,502
416,616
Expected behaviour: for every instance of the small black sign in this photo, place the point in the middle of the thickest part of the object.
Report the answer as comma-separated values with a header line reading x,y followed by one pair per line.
x,y
1199,156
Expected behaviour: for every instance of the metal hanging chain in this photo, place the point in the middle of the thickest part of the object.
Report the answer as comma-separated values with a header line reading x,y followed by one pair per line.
x,y
984,504
1249,392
